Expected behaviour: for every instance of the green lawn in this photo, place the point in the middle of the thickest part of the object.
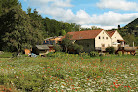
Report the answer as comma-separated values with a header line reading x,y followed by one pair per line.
x,y
70,73
6,55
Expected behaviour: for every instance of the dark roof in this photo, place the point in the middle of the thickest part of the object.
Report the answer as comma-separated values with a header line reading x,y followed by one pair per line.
x,y
53,37
42,47
88,34
111,33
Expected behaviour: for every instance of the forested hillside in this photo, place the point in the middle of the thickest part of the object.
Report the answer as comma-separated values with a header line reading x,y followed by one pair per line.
x,y
20,29
130,32
133,24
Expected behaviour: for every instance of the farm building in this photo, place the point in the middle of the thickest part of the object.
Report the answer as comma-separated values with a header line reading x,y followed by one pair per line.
x,y
116,39
51,41
97,40
41,49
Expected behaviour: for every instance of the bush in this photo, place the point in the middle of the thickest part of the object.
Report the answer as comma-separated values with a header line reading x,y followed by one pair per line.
x,y
84,55
57,48
94,53
51,54
77,48
6,55
110,50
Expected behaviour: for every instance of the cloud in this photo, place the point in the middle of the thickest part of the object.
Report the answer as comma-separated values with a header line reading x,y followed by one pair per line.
x,y
118,4
62,3
111,18
51,3
103,27
64,13
81,17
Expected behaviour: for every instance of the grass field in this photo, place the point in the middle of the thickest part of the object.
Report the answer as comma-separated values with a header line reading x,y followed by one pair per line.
x,y
70,73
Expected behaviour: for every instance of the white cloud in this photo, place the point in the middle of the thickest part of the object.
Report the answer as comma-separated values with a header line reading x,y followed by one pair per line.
x,y
106,21
103,27
111,18
118,4
51,3
62,3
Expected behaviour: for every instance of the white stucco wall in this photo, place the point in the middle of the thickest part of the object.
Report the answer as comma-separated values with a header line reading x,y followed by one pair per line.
x,y
99,42
116,36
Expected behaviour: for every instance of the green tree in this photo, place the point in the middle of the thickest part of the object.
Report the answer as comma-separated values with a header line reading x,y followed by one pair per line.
x,y
77,48
57,48
7,4
29,11
66,43
130,39
94,28
18,32
118,27
0,7
63,32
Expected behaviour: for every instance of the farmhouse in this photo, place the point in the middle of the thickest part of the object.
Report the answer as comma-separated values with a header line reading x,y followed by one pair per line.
x,y
116,39
96,39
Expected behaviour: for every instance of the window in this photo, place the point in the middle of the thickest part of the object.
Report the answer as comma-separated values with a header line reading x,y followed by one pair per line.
x,y
99,37
103,37
106,37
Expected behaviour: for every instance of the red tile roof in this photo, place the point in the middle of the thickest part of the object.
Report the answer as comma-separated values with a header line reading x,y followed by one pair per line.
x,y
88,34
111,33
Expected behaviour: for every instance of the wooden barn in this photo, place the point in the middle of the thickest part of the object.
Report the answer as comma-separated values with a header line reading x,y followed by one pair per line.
x,y
41,49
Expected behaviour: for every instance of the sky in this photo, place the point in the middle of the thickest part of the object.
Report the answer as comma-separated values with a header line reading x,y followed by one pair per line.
x,y
106,14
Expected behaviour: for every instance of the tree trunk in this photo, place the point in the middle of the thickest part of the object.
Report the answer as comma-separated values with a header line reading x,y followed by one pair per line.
x,y
66,49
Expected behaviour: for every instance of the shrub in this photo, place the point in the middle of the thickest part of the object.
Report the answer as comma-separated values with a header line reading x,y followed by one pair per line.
x,y
84,55
50,54
57,48
77,48
93,53
110,50
6,55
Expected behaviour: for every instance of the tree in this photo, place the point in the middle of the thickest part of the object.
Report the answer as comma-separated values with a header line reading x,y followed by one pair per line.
x,y
118,27
18,32
94,28
29,11
66,43
77,48
57,48
63,32
7,4
130,40
0,7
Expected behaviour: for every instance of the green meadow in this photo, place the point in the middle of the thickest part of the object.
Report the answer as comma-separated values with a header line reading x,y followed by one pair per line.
x,y
60,72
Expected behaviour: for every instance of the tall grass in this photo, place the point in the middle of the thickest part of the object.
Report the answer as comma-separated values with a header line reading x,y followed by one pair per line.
x,y
70,73
6,55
